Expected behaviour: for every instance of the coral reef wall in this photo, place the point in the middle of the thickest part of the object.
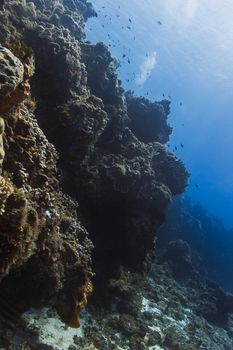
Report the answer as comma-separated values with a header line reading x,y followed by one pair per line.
x,y
77,154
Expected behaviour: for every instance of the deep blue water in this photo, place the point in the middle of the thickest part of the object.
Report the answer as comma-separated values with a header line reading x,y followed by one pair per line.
x,y
182,49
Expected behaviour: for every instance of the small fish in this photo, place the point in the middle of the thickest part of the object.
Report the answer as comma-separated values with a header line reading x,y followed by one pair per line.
x,y
159,22
102,25
196,185
103,7
128,27
128,60
175,148
123,56
130,20
163,95
182,145
181,104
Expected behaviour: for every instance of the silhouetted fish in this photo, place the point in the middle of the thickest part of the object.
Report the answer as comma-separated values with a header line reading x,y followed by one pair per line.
x,y
182,145
196,185
159,22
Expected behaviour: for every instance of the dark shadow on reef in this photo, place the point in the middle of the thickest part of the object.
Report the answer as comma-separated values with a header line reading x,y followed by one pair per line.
x,y
76,157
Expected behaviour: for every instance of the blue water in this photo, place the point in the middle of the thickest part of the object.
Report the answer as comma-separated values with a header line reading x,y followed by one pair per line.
x,y
182,49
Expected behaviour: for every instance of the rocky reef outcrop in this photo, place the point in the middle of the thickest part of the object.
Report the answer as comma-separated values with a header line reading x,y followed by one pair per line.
x,y
43,244
207,237
75,157
167,311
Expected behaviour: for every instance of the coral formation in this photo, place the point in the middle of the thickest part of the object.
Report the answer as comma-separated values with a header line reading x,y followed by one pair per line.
x,y
207,237
72,156
43,245
84,168
158,312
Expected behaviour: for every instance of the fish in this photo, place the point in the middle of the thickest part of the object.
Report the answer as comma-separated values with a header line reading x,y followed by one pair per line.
x,y
159,22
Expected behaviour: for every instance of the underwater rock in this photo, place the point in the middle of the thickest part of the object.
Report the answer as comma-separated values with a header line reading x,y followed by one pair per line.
x,y
148,120
43,245
175,321
72,150
122,184
11,71
178,254
206,236
14,86
206,297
